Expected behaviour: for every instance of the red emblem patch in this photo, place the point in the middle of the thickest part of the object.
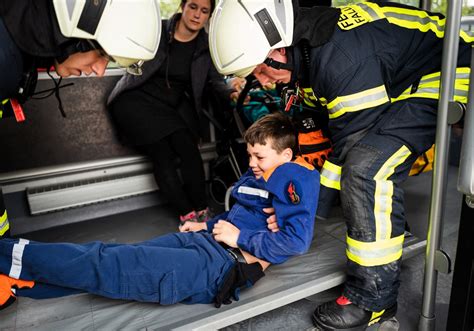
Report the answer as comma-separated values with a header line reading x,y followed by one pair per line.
x,y
292,194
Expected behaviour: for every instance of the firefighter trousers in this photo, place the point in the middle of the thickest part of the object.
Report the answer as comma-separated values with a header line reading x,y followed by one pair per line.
x,y
179,267
372,199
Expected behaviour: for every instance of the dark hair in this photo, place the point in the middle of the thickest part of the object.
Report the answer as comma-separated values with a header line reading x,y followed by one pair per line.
x,y
279,128
213,4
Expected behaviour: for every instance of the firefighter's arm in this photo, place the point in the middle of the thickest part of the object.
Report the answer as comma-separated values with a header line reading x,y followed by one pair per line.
x,y
358,88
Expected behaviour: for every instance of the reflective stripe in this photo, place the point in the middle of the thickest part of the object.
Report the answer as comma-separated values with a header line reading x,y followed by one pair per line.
x,y
420,20
372,10
17,256
358,101
4,224
384,193
429,87
331,175
253,191
375,317
374,253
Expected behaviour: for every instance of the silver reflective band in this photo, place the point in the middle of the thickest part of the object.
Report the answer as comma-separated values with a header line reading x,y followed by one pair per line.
x,y
253,191
136,68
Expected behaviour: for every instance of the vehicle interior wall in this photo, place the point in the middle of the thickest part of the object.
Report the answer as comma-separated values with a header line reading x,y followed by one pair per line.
x,y
47,138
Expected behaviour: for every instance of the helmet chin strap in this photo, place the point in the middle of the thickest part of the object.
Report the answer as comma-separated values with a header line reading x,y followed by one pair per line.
x,y
278,65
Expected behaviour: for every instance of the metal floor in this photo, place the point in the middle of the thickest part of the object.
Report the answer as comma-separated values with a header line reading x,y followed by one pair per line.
x,y
144,223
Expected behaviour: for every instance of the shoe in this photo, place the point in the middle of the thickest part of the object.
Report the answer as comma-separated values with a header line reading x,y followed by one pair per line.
x,y
204,215
7,286
189,217
342,314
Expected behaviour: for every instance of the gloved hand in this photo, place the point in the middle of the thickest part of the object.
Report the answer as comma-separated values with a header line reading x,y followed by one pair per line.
x,y
7,297
240,276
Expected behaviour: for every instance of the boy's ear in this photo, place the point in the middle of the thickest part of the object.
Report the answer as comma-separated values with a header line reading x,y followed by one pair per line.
x,y
288,154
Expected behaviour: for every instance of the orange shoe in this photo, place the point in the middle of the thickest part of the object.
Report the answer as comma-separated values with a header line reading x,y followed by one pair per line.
x,y
7,297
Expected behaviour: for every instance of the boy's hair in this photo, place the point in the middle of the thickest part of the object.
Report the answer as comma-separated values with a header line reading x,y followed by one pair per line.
x,y
277,127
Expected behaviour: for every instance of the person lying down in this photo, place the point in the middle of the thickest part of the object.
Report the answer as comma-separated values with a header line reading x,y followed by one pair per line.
x,y
204,262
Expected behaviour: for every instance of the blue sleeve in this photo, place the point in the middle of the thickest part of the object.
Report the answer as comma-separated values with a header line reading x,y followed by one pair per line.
x,y
210,224
295,219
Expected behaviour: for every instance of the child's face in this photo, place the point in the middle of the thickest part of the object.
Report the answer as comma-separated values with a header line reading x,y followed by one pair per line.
x,y
264,157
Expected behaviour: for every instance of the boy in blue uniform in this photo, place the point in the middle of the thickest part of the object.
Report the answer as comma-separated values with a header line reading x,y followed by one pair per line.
x,y
205,262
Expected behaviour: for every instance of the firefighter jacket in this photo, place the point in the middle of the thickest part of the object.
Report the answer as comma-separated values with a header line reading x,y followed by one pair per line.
x,y
372,55
292,189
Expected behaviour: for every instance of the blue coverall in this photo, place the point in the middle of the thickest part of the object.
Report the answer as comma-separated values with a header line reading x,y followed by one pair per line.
x,y
180,267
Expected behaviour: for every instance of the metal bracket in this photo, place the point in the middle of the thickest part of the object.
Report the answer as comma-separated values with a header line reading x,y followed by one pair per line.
x,y
470,201
442,262
455,112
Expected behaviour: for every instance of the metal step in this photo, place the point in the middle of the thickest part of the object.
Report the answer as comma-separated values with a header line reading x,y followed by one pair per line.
x,y
53,198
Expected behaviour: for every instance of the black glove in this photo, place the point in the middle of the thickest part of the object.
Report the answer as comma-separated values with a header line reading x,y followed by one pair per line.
x,y
240,276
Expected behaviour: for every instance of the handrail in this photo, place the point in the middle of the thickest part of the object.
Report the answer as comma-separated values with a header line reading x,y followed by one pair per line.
x,y
466,163
448,70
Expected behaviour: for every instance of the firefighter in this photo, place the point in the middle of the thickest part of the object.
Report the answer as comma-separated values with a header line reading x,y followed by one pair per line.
x,y
75,37
375,68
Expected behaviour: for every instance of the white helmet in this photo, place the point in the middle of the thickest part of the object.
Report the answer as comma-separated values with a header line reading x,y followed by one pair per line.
x,y
127,30
242,33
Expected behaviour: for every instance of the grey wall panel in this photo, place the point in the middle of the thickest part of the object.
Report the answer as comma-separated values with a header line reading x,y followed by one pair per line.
x,y
46,138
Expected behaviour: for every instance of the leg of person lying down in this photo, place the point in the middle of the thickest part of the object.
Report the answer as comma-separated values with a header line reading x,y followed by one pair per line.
x,y
180,267
205,262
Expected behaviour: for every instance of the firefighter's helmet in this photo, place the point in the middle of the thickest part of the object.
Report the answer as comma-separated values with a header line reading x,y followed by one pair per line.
x,y
242,33
127,30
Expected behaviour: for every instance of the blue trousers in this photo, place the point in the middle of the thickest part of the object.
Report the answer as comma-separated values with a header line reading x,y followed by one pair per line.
x,y
178,267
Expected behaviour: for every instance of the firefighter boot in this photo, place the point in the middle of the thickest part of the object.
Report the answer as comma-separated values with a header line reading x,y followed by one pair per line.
x,y
342,314
7,288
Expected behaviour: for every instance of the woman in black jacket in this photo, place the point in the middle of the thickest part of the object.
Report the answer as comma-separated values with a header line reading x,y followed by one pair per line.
x,y
159,111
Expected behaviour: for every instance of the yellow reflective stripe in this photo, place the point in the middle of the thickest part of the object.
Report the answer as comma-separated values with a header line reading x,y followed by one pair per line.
x,y
384,193
331,175
4,224
5,101
375,317
429,87
420,20
374,253
466,36
358,101
415,19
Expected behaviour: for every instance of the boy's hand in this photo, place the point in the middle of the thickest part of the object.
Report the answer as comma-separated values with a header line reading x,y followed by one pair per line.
x,y
192,227
226,232
271,220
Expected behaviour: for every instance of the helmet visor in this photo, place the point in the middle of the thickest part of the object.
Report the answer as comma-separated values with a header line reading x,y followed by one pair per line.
x,y
133,66
244,72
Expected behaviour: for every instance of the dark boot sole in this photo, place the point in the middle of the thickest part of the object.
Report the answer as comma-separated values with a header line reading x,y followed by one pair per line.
x,y
388,314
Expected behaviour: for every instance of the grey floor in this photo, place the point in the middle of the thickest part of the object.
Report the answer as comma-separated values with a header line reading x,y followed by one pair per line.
x,y
296,316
